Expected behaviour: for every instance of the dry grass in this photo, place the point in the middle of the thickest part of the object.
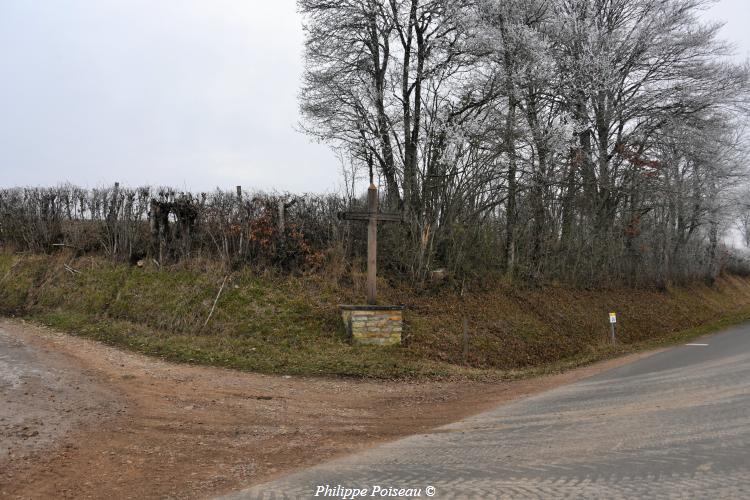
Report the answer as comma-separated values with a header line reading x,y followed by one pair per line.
x,y
280,324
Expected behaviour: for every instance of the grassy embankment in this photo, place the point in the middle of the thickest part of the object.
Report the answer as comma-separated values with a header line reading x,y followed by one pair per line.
x,y
291,325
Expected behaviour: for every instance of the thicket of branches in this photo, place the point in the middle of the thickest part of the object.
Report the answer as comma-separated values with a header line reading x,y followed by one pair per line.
x,y
167,226
585,140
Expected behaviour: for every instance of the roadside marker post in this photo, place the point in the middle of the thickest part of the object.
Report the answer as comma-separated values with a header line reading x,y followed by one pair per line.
x,y
612,323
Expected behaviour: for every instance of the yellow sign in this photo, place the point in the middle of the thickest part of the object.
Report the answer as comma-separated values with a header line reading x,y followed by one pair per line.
x,y
613,317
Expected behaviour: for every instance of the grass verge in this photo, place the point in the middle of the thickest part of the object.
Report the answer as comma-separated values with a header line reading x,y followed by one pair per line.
x,y
276,324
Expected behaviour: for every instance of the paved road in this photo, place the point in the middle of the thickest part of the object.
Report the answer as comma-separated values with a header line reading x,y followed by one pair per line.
x,y
674,425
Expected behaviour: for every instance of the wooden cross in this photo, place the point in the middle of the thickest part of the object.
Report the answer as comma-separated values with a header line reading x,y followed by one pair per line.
x,y
372,216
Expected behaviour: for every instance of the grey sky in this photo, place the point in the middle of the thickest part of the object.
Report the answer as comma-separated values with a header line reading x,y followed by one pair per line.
x,y
190,93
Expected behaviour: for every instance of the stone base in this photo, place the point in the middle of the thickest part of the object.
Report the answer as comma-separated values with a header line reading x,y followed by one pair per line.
x,y
373,325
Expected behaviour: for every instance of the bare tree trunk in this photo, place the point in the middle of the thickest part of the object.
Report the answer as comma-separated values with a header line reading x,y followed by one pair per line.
x,y
509,250
713,235
380,67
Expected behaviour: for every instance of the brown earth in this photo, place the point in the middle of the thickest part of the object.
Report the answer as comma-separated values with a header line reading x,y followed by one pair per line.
x,y
122,425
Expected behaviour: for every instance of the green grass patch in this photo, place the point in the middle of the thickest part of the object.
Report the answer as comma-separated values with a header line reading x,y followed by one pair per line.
x,y
281,324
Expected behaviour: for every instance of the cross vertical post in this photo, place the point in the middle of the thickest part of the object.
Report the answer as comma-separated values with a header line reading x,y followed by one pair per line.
x,y
372,243
372,216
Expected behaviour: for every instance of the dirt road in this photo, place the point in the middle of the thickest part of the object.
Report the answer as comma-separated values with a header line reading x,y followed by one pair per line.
x,y
79,419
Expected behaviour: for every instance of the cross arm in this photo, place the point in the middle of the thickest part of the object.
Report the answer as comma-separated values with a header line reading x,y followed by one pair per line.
x,y
380,217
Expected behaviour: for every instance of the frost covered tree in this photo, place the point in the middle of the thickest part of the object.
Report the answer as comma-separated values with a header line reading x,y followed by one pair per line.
x,y
581,139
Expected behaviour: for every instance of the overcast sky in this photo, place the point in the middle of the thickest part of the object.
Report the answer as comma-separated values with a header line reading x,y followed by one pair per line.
x,y
195,94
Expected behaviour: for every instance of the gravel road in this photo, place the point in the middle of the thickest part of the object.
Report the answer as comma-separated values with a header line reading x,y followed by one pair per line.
x,y
43,397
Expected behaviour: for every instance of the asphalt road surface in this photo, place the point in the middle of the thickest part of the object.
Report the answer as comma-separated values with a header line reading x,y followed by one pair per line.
x,y
673,425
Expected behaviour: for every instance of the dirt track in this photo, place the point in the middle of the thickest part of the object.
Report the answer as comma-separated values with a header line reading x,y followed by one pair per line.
x,y
82,420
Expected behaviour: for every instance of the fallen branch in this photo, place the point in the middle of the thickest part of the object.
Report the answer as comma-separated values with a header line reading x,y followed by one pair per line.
x,y
18,261
71,270
66,245
215,301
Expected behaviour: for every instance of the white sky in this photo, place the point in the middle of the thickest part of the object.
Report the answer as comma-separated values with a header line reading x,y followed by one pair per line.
x,y
189,93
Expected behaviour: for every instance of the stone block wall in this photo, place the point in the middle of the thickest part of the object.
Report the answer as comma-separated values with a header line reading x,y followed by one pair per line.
x,y
374,325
